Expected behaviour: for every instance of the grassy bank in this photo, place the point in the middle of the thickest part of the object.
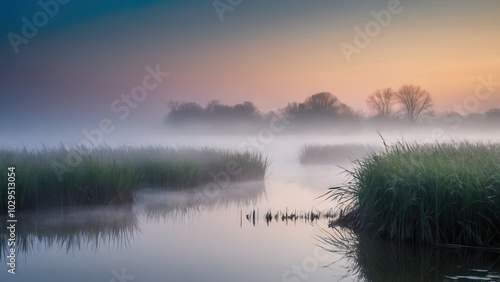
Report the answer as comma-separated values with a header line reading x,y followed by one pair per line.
x,y
431,193
328,154
112,175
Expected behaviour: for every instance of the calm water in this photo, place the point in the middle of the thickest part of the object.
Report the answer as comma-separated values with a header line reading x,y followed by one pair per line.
x,y
197,236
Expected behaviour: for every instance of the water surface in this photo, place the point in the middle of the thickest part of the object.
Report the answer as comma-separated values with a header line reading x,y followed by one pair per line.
x,y
224,236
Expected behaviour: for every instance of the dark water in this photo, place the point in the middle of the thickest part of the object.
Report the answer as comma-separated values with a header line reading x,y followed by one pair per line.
x,y
194,236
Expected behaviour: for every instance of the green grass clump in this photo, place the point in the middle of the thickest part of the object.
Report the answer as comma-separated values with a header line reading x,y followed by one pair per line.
x,y
328,154
427,193
112,175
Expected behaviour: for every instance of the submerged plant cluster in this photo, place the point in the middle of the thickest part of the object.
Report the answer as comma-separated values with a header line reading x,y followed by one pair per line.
x,y
443,193
112,175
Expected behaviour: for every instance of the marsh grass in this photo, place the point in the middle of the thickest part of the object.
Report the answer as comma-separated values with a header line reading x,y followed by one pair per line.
x,y
188,166
329,154
443,193
112,175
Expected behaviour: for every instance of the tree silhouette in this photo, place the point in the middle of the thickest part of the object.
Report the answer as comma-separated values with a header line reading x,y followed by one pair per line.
x,y
322,101
415,102
493,113
382,102
321,109
183,111
213,114
293,108
213,106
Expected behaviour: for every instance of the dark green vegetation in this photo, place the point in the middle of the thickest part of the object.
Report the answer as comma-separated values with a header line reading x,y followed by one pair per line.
x,y
107,175
446,194
328,154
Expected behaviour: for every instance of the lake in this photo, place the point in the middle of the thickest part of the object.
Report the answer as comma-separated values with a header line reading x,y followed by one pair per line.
x,y
224,235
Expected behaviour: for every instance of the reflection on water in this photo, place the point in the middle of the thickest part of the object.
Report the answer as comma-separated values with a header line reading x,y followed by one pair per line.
x,y
375,259
73,229
180,205
216,236
309,217
364,258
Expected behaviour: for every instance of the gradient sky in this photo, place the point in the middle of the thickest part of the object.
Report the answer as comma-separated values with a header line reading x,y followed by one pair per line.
x,y
270,52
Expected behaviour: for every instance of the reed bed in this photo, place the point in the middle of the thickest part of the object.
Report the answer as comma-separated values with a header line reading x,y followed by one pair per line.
x,y
112,175
329,154
443,193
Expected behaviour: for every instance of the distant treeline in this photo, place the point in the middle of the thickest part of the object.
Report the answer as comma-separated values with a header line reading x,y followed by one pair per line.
x,y
410,105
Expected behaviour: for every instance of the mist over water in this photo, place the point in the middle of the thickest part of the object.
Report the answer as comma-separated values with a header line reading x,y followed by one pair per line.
x,y
176,235
313,87
158,135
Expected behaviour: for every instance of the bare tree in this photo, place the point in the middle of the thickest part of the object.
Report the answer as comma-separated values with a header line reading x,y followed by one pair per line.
x,y
173,106
182,110
415,102
382,101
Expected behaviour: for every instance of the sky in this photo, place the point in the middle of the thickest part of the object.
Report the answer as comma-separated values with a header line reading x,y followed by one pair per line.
x,y
85,55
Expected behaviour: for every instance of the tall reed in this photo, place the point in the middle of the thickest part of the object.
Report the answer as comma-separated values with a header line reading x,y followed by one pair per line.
x,y
112,175
443,193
